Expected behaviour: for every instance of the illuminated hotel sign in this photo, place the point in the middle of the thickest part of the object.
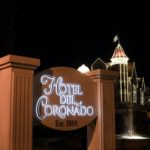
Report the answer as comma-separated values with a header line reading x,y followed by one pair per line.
x,y
64,98
67,101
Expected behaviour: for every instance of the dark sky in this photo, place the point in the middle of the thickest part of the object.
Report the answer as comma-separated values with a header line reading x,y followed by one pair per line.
x,y
70,33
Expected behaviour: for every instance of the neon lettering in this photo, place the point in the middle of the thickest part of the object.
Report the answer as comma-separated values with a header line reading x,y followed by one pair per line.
x,y
68,105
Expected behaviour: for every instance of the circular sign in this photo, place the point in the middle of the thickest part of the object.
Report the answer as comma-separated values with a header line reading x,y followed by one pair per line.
x,y
64,98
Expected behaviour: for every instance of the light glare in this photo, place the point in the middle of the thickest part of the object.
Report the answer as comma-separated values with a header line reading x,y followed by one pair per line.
x,y
133,137
83,69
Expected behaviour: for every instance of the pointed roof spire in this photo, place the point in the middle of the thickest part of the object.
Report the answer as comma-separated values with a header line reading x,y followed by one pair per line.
x,y
98,64
143,86
119,56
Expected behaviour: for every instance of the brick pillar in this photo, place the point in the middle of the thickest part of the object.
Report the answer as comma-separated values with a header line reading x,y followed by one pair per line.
x,y
16,83
101,132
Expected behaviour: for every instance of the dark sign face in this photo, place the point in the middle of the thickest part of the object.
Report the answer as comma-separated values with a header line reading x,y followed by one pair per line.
x,y
64,98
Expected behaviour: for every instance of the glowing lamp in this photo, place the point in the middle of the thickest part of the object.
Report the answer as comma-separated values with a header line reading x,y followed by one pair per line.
x,y
134,137
83,69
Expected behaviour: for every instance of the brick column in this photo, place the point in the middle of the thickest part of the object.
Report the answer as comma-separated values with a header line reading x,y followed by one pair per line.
x,y
16,90
101,133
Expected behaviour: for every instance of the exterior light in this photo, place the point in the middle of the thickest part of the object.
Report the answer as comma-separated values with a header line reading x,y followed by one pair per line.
x,y
83,69
134,137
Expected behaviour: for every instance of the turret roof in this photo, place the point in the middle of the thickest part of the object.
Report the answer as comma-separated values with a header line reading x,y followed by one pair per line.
x,y
119,55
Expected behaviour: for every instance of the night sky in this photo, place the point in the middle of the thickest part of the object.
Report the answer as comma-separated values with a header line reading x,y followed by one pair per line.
x,y
70,33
